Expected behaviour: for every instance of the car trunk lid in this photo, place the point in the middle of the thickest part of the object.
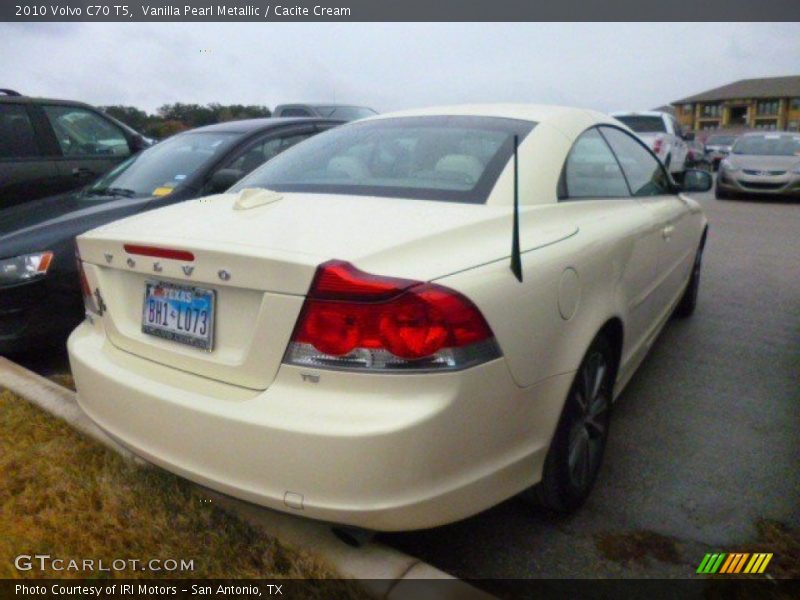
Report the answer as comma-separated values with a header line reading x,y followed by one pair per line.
x,y
260,259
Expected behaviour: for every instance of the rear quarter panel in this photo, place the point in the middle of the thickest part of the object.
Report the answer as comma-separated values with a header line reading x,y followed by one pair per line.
x,y
536,339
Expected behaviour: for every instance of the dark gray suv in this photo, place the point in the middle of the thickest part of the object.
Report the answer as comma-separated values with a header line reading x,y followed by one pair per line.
x,y
53,146
343,112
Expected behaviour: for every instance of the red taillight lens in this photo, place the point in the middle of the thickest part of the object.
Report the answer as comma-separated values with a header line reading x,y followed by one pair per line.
x,y
657,145
362,320
339,280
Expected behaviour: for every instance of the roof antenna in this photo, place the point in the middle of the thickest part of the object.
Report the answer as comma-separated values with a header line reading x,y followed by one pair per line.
x,y
516,256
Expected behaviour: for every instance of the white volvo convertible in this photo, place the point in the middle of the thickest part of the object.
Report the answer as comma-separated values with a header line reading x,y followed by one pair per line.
x,y
397,323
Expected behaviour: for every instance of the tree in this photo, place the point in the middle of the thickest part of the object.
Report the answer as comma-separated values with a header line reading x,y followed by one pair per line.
x,y
174,118
130,115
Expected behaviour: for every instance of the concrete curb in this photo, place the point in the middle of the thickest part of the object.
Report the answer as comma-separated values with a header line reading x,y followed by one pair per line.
x,y
386,573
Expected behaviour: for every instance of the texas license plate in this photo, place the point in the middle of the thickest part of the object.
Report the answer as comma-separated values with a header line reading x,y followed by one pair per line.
x,y
179,313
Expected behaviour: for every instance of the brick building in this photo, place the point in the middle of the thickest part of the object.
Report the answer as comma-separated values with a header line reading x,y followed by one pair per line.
x,y
767,103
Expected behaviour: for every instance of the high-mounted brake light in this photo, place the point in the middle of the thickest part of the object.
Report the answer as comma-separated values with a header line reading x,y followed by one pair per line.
x,y
353,319
155,252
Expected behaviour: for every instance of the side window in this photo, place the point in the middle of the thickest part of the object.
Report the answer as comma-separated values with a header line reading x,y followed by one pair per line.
x,y
643,171
295,112
81,132
257,154
17,138
591,171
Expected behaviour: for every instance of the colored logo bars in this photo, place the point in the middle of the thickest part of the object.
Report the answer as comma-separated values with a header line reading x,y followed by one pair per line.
x,y
731,564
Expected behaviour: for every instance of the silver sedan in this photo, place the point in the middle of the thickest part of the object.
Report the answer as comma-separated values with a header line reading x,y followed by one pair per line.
x,y
761,163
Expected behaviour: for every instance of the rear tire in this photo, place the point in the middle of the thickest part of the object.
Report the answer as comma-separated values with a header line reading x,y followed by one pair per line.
x,y
576,451
688,302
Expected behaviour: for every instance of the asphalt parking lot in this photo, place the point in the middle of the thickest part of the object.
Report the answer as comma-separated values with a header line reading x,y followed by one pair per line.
x,y
704,441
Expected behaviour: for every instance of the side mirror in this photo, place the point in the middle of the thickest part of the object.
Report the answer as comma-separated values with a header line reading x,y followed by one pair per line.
x,y
688,136
695,180
223,179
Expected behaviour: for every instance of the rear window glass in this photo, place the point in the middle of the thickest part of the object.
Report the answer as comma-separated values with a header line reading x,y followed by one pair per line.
x,y
294,112
455,159
643,123
768,145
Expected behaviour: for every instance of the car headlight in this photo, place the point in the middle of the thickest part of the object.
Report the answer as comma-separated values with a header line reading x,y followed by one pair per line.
x,y
728,165
25,267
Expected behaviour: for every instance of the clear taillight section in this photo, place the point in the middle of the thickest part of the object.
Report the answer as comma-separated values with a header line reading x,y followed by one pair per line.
x,y
356,320
89,302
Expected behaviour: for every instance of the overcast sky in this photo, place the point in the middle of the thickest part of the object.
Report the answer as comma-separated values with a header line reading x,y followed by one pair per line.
x,y
605,66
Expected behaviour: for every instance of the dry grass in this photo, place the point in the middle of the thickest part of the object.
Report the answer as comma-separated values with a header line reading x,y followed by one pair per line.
x,y
784,542
638,546
65,495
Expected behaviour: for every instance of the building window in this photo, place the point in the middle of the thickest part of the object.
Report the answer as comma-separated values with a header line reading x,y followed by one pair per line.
x,y
768,124
687,108
709,126
795,104
767,107
713,111
793,126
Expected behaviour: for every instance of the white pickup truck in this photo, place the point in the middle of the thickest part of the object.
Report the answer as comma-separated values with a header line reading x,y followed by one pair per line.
x,y
662,134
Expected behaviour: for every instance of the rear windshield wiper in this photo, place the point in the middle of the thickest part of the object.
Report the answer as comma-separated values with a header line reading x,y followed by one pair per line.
x,y
112,191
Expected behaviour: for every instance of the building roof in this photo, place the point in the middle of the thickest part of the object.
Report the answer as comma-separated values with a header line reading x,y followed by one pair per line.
x,y
765,87
665,109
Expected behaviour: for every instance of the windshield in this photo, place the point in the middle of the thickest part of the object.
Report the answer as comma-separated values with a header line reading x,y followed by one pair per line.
x,y
720,140
163,167
347,113
643,123
768,145
455,159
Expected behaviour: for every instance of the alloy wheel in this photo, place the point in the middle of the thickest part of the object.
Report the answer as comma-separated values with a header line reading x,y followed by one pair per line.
x,y
588,433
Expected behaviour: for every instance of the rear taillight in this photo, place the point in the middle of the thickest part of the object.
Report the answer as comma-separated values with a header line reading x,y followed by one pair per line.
x,y
89,302
657,145
353,319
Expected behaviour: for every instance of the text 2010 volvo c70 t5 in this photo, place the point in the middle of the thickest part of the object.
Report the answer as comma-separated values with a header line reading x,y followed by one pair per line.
x,y
397,323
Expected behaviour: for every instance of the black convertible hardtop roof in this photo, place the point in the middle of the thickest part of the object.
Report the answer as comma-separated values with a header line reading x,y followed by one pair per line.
x,y
249,125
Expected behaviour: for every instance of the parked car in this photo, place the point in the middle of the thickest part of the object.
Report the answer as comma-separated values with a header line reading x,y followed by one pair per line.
x,y
718,147
662,134
52,146
761,163
367,331
345,112
40,294
696,156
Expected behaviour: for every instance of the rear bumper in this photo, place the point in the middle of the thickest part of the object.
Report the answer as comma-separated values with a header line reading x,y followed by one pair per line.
x,y
382,452
786,185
